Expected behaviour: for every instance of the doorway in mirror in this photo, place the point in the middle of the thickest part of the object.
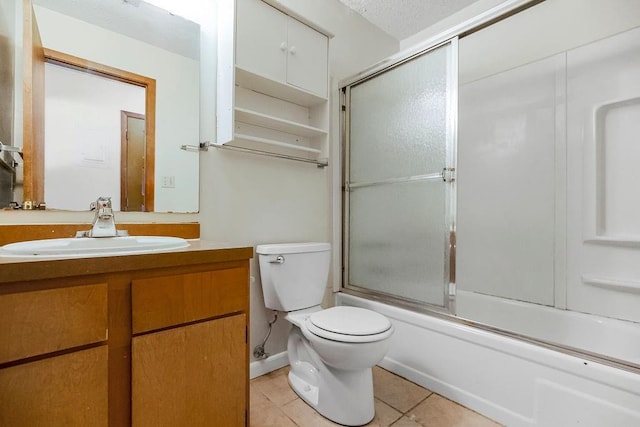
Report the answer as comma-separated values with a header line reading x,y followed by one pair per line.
x,y
132,162
88,109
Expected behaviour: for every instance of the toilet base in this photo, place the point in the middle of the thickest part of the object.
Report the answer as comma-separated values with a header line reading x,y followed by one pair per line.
x,y
343,396
341,408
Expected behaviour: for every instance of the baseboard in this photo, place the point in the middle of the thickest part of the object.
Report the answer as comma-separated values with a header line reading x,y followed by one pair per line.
x,y
270,364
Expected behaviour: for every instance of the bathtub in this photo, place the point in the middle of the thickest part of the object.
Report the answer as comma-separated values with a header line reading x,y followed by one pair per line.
x,y
616,339
515,382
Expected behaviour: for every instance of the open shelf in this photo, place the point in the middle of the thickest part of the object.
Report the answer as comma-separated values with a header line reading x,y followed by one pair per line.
x,y
267,141
290,93
264,120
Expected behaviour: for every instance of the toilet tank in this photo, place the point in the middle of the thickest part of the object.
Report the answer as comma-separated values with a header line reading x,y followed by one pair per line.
x,y
294,275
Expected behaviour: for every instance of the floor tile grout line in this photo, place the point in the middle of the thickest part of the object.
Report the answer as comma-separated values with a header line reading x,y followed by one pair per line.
x,y
411,408
431,393
405,414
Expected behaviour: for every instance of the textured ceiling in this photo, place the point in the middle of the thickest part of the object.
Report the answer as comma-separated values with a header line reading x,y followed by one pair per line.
x,y
404,18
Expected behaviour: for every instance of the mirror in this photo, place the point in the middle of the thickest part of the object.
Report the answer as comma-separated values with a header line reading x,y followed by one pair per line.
x,y
84,144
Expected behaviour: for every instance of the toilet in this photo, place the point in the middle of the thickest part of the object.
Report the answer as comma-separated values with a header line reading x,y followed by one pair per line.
x,y
331,351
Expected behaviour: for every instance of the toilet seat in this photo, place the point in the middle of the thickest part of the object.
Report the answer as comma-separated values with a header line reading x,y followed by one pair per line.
x,y
349,324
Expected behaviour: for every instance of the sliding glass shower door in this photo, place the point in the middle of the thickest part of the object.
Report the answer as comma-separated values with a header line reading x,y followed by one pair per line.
x,y
400,165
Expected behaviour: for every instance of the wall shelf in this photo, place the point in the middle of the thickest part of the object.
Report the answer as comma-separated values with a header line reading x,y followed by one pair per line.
x,y
265,120
273,84
258,83
267,141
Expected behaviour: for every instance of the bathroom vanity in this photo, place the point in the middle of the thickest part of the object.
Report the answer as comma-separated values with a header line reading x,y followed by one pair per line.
x,y
155,339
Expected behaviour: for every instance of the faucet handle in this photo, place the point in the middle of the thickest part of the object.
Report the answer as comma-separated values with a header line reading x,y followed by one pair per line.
x,y
105,201
102,202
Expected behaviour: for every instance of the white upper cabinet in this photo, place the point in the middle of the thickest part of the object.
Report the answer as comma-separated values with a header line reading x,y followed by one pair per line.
x,y
272,80
261,39
276,46
307,58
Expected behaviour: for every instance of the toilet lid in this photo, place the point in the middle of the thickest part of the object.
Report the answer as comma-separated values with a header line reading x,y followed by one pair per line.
x,y
348,324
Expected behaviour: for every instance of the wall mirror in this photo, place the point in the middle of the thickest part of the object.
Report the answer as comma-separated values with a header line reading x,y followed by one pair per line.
x,y
113,72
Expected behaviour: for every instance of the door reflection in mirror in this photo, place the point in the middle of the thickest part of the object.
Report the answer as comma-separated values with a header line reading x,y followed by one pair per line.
x,y
133,162
83,135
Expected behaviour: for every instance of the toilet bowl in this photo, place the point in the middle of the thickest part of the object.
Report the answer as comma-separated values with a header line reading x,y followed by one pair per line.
x,y
345,337
331,351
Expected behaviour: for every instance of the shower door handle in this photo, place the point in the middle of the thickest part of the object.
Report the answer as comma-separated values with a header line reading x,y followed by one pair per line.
x,y
448,174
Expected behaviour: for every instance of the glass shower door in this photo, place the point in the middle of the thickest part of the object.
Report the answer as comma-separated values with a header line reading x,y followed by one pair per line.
x,y
399,197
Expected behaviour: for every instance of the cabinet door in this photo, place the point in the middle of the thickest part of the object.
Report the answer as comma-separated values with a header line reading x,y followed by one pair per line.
x,y
195,375
44,321
66,391
161,302
261,39
307,60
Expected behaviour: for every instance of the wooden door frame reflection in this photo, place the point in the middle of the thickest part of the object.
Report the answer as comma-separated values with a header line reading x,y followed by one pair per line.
x,y
149,84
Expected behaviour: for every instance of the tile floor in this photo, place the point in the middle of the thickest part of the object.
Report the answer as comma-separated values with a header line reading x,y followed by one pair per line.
x,y
399,403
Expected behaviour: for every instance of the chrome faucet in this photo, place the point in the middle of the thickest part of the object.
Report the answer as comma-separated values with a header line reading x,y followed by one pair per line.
x,y
104,222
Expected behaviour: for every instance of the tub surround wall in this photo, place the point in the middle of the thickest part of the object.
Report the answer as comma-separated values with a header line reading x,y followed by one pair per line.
x,y
498,212
543,174
537,187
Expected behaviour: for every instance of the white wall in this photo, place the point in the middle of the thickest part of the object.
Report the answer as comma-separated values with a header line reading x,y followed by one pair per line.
x,y
82,126
177,94
248,199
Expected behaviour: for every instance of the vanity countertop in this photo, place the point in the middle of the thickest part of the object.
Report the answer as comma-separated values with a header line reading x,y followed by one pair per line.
x,y
198,252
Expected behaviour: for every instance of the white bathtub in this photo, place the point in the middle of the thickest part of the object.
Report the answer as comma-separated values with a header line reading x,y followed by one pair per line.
x,y
511,381
613,338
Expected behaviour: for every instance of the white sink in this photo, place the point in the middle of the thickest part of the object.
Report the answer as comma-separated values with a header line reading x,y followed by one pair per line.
x,y
90,246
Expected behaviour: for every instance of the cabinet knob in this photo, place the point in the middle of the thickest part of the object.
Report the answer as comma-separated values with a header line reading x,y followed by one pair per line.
x,y
292,50
283,46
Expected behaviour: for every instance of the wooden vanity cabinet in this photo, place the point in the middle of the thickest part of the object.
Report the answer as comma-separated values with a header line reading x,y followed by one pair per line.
x,y
66,390
157,343
191,375
54,357
189,349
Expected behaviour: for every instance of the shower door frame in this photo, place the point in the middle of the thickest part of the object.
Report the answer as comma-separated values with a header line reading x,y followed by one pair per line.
x,y
447,175
487,18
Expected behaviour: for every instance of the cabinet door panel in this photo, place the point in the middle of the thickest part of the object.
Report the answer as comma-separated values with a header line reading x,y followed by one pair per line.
x,y
165,301
307,58
195,375
49,320
261,39
66,391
